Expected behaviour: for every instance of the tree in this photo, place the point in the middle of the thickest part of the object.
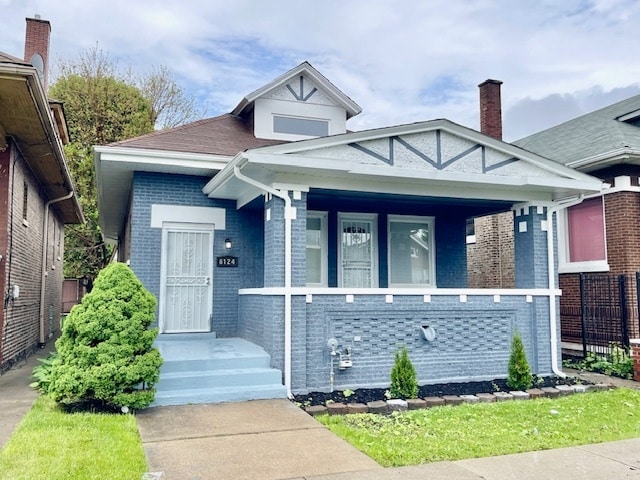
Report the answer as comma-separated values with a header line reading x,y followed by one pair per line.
x,y
519,372
103,106
404,383
170,107
105,353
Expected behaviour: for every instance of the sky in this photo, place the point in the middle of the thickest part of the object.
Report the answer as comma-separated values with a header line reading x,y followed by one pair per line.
x,y
402,61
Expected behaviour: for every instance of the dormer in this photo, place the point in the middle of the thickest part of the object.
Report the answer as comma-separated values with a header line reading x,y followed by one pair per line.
x,y
632,118
298,105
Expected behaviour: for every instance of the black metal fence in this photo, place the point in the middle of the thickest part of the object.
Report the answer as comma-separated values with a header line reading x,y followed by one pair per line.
x,y
608,313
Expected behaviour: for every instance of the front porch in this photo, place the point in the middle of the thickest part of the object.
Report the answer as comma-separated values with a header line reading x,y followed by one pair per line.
x,y
200,368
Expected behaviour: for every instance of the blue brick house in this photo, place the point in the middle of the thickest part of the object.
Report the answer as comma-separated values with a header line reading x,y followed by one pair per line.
x,y
275,230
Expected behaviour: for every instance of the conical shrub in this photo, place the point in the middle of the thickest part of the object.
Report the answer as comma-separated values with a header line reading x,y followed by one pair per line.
x,y
519,374
404,383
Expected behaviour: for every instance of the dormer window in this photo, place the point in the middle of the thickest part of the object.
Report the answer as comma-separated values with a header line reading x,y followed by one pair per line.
x,y
632,118
300,126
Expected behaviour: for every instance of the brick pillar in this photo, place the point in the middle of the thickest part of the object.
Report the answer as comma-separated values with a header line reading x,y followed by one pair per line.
x,y
635,355
530,237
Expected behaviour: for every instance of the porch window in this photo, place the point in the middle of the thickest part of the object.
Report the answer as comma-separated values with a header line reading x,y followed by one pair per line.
x,y
411,251
317,249
358,250
584,245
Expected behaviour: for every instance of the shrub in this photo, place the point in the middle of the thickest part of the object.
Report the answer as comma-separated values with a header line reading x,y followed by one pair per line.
x,y
403,376
42,373
105,352
519,375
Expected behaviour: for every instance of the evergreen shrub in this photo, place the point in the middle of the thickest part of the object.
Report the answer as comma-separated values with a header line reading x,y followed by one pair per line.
x,y
519,373
105,352
404,383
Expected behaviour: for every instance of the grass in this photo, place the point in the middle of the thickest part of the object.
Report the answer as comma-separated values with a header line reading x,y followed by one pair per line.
x,y
80,446
488,429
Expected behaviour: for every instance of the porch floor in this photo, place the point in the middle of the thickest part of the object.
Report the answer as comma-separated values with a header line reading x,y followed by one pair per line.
x,y
200,368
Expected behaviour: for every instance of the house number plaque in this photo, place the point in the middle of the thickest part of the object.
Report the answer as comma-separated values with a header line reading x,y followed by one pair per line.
x,y
227,261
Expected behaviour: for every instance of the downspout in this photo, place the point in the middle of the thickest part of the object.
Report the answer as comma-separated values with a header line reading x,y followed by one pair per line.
x,y
288,215
553,314
45,240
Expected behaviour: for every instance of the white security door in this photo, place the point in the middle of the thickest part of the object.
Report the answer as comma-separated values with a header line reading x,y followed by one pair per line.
x,y
187,289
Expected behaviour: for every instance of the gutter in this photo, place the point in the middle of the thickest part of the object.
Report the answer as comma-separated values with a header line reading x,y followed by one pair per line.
x,y
43,277
553,314
288,215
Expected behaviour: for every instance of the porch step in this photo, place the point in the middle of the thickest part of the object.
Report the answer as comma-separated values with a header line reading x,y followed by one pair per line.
x,y
200,368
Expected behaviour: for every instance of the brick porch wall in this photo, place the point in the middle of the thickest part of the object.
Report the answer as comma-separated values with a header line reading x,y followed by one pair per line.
x,y
491,259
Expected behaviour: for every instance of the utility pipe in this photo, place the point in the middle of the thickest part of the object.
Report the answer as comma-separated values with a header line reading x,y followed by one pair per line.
x,y
288,215
553,319
45,241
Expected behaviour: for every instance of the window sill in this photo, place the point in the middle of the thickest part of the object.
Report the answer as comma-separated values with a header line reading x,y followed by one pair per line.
x,y
584,267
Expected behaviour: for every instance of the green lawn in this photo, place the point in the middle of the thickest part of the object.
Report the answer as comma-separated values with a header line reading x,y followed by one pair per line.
x,y
49,444
488,429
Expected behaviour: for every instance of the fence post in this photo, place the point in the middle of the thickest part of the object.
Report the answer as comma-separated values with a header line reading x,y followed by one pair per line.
x,y
635,355
583,314
624,314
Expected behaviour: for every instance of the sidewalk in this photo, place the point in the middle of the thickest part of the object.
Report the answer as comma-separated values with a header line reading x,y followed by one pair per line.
x,y
275,440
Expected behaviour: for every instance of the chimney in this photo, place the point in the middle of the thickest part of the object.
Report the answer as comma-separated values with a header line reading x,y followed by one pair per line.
x,y
36,47
491,108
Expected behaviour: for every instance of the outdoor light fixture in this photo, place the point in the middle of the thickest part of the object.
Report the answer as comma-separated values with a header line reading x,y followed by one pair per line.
x,y
227,243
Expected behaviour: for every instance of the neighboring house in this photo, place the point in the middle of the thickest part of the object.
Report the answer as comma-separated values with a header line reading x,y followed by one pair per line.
x,y
36,200
600,234
330,249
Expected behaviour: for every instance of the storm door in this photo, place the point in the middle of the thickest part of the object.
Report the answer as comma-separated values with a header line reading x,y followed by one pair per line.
x,y
186,286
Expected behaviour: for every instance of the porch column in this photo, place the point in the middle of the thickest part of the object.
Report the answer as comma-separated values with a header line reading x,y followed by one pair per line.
x,y
531,256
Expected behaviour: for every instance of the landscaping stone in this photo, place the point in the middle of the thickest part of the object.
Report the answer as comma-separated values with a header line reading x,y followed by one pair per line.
x,y
469,398
602,386
565,390
434,401
314,410
396,405
486,397
416,403
357,408
519,395
503,396
337,408
582,388
535,393
377,406
551,392
452,400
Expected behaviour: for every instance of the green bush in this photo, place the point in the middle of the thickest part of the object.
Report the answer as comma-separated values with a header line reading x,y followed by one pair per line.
x,y
618,363
42,373
105,352
403,376
519,374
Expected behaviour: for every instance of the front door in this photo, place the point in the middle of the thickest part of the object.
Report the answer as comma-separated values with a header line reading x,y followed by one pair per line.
x,y
186,288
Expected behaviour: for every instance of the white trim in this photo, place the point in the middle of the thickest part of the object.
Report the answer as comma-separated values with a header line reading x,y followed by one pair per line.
x,y
161,157
161,214
366,217
324,247
415,292
426,220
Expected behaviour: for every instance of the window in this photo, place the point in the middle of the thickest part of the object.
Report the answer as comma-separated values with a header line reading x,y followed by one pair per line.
x,y
300,126
583,247
25,203
411,251
357,250
317,249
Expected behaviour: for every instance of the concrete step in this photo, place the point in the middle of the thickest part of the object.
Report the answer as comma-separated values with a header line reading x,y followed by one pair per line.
x,y
230,377
218,395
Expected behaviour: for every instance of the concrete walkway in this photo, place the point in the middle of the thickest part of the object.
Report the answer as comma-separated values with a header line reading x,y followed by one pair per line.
x,y
275,440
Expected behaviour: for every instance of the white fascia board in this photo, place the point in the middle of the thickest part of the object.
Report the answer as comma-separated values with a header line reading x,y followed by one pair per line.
x,y
225,175
604,159
184,160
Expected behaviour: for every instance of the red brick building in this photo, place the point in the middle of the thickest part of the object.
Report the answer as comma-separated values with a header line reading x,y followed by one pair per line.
x,y
37,199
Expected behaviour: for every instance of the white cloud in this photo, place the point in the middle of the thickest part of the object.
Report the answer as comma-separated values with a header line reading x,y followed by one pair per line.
x,y
401,60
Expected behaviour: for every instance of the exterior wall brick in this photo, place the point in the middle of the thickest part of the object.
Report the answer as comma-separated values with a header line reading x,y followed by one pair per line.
x,y
531,260
22,266
491,259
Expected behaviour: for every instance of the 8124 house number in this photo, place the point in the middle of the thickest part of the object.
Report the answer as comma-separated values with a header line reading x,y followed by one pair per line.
x,y
227,261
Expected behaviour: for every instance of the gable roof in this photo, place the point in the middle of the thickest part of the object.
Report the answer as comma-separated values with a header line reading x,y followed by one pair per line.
x,y
329,89
27,117
223,135
437,158
593,140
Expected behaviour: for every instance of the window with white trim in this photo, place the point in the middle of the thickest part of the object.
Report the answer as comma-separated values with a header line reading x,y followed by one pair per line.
x,y
317,249
357,250
411,257
582,239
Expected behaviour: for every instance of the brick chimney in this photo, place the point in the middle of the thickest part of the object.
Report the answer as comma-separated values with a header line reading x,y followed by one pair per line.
x,y
36,46
491,108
